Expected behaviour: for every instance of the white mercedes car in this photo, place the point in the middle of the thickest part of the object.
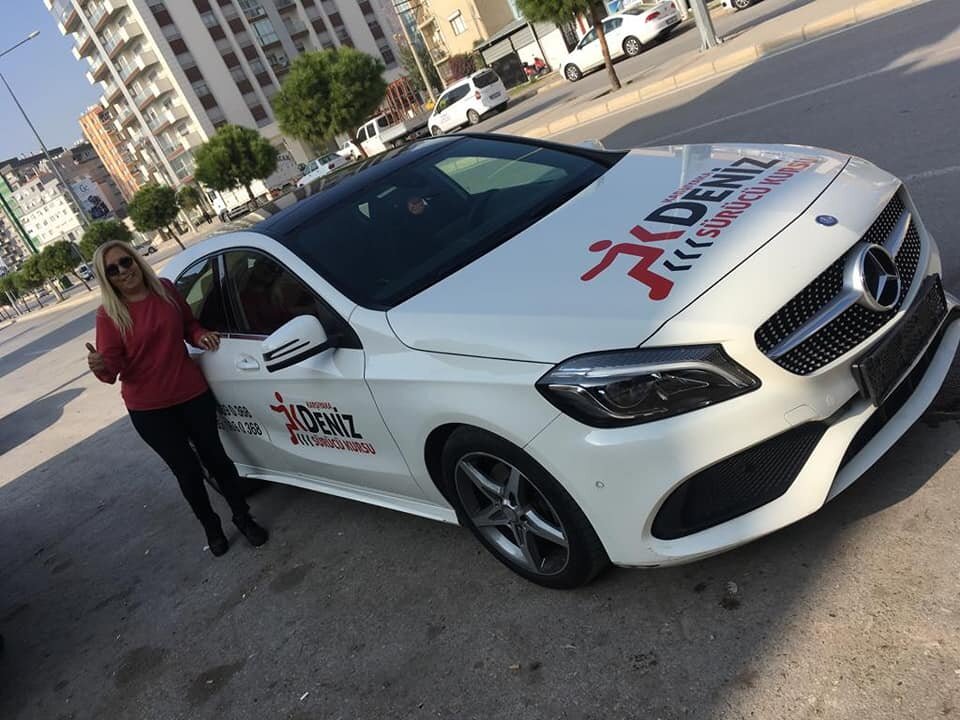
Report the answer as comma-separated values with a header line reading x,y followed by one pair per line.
x,y
585,356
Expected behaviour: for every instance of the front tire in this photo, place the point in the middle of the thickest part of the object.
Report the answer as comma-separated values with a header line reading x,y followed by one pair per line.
x,y
473,117
572,73
519,512
632,46
435,131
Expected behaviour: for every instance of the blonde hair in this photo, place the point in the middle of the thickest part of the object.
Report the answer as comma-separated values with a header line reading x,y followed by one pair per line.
x,y
113,304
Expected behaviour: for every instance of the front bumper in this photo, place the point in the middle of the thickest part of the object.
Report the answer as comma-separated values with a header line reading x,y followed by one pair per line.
x,y
623,478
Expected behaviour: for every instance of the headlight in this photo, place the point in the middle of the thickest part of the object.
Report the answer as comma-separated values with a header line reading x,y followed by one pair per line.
x,y
629,387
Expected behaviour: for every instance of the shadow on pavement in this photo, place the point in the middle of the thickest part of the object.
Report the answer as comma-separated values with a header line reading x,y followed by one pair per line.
x,y
76,328
110,606
21,425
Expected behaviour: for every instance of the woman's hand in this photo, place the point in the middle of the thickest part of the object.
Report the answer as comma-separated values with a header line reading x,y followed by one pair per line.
x,y
95,360
210,341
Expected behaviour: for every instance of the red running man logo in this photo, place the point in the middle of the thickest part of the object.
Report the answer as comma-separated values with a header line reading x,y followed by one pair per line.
x,y
659,286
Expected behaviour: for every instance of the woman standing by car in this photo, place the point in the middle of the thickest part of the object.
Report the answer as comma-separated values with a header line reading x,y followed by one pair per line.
x,y
141,327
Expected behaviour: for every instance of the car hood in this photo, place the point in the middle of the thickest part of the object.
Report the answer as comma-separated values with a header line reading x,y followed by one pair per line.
x,y
609,267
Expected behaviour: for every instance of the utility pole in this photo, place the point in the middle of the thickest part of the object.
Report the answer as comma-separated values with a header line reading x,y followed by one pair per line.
x,y
708,35
416,55
84,220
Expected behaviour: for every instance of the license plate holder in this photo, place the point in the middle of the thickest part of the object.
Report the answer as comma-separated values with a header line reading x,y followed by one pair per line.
x,y
883,367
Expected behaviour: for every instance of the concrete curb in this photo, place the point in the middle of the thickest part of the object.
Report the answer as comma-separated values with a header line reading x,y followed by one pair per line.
x,y
725,63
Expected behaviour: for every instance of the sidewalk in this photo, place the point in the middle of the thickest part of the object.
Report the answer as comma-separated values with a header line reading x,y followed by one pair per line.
x,y
738,51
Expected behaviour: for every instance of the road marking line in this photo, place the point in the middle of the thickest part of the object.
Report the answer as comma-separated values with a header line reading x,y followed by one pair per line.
x,y
723,75
927,174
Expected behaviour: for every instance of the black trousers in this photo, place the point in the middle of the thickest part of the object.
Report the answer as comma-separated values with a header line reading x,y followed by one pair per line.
x,y
169,432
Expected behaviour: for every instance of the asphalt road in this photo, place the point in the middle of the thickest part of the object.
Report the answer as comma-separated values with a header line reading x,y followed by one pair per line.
x,y
110,608
683,39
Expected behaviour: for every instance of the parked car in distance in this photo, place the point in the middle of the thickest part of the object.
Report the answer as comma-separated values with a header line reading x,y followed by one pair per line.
x,y
318,167
738,4
350,151
84,272
145,248
467,101
628,33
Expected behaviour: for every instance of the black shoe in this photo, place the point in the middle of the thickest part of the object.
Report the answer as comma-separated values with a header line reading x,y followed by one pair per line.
x,y
248,527
215,538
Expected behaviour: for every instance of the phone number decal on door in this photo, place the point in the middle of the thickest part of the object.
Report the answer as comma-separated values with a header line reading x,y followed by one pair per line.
x,y
238,419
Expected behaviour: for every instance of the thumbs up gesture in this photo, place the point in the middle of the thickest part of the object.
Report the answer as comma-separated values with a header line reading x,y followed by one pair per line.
x,y
94,360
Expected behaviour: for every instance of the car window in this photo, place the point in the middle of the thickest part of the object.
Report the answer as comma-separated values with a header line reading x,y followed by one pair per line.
x,y
200,287
612,24
362,134
459,93
588,38
408,230
383,122
266,295
485,78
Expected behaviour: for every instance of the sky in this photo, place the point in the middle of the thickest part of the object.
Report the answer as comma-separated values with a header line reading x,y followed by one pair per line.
x,y
50,84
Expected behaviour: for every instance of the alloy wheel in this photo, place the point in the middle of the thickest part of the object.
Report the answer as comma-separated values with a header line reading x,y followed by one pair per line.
x,y
512,514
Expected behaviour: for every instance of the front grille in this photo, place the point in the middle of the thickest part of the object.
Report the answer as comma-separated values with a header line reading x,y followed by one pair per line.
x,y
737,485
853,325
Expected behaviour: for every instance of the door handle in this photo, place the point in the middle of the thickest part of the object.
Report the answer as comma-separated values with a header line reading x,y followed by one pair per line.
x,y
245,362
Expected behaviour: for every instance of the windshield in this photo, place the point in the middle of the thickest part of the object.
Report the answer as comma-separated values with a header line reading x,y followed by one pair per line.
x,y
431,217
483,79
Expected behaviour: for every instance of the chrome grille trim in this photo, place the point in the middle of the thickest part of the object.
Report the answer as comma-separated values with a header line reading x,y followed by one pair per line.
x,y
819,324
847,297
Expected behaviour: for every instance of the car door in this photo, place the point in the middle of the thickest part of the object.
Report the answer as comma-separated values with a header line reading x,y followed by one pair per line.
x,y
315,421
456,114
443,102
588,51
615,31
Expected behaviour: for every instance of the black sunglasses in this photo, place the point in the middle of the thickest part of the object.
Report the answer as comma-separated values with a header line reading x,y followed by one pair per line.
x,y
124,263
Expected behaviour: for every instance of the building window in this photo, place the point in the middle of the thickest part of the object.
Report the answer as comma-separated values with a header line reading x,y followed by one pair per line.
x,y
238,74
457,23
256,66
200,88
258,112
209,19
375,29
389,59
265,32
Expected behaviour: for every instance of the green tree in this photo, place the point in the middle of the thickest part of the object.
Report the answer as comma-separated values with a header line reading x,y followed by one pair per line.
x,y
329,92
560,11
191,197
154,207
31,278
8,291
235,157
413,73
60,258
101,231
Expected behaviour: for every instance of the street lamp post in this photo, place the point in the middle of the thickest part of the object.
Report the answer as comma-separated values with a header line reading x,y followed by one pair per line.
x,y
84,220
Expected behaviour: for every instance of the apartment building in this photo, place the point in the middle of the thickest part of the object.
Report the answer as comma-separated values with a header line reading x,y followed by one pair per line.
x,y
102,134
38,206
172,71
456,27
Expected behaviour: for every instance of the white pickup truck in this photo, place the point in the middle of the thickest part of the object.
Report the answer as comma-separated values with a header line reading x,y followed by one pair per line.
x,y
230,204
377,134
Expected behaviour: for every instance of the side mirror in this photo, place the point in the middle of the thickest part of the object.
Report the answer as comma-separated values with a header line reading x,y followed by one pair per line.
x,y
301,338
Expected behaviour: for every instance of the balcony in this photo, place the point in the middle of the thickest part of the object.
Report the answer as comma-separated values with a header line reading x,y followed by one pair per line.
x,y
111,91
122,38
68,19
295,28
166,118
253,12
84,45
104,11
99,70
284,4
144,60
152,92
